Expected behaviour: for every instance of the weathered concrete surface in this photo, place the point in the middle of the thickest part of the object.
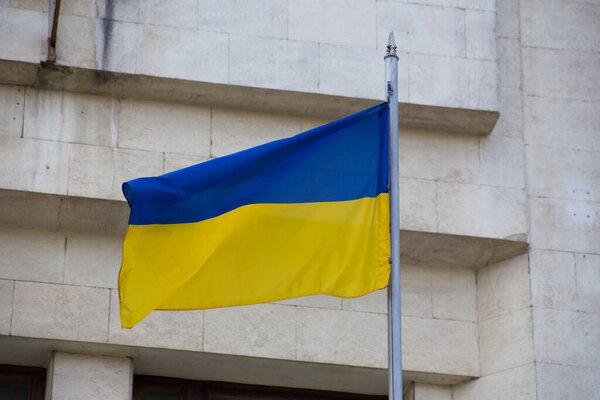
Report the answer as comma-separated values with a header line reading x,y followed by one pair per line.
x,y
468,120
60,311
6,301
82,376
205,366
219,367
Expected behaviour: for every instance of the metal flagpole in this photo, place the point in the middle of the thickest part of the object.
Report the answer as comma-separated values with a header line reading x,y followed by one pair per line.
x,y
394,323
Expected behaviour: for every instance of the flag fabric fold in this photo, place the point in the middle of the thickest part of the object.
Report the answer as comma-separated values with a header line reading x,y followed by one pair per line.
x,y
295,217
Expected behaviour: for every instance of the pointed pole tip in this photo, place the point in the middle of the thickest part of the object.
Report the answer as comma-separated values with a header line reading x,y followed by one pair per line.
x,y
391,41
391,46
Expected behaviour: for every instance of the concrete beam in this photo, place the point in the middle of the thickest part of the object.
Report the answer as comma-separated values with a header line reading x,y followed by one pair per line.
x,y
109,217
219,367
305,104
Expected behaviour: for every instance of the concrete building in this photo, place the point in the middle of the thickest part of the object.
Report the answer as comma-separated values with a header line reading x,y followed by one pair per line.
x,y
500,191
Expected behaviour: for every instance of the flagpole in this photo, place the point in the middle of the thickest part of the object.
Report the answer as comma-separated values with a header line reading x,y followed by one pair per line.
x,y
394,314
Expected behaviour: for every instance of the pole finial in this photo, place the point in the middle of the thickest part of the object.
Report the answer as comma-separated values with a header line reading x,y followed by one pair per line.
x,y
391,46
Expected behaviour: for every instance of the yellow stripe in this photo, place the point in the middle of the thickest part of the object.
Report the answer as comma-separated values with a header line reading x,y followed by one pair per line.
x,y
254,254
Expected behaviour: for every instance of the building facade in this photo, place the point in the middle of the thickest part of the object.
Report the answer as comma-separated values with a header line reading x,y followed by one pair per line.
x,y
500,192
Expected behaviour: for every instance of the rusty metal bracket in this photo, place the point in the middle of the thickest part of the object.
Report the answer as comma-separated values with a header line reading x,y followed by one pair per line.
x,y
52,34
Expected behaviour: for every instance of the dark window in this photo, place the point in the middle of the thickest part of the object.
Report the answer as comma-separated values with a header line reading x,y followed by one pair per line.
x,y
22,383
153,388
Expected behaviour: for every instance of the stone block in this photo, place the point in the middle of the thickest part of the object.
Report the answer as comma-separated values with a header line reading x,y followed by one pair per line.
x,y
588,275
424,391
503,288
341,337
248,331
579,72
31,255
506,341
316,301
502,161
454,294
6,302
34,165
507,19
547,120
181,14
480,33
236,130
183,54
516,383
567,337
154,126
357,72
116,45
70,117
120,10
415,287
563,173
440,346
76,47
319,21
553,279
374,302
33,5
92,171
509,62
422,29
264,18
12,102
417,204
560,25
84,8
173,162
23,33
510,120
564,382
80,376
437,156
100,171
475,210
274,63
181,330
452,82
92,260
54,311
577,221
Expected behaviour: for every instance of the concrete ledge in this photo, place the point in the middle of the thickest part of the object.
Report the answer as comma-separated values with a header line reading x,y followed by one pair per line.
x,y
219,367
466,121
442,249
109,217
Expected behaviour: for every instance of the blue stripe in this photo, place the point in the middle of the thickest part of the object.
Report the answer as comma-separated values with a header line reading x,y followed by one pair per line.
x,y
343,160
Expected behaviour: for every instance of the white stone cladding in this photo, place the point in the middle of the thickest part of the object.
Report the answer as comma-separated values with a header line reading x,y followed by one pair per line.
x,y
146,87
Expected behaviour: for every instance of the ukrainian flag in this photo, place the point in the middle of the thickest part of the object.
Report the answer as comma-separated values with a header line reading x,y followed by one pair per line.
x,y
294,217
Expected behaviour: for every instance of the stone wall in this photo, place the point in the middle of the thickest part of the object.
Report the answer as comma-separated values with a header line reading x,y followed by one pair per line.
x,y
560,47
142,88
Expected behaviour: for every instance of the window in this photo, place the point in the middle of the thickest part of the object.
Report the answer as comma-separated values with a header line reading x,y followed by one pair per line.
x,y
22,383
153,388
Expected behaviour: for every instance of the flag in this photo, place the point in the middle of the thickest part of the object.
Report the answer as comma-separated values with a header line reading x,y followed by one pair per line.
x,y
294,217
